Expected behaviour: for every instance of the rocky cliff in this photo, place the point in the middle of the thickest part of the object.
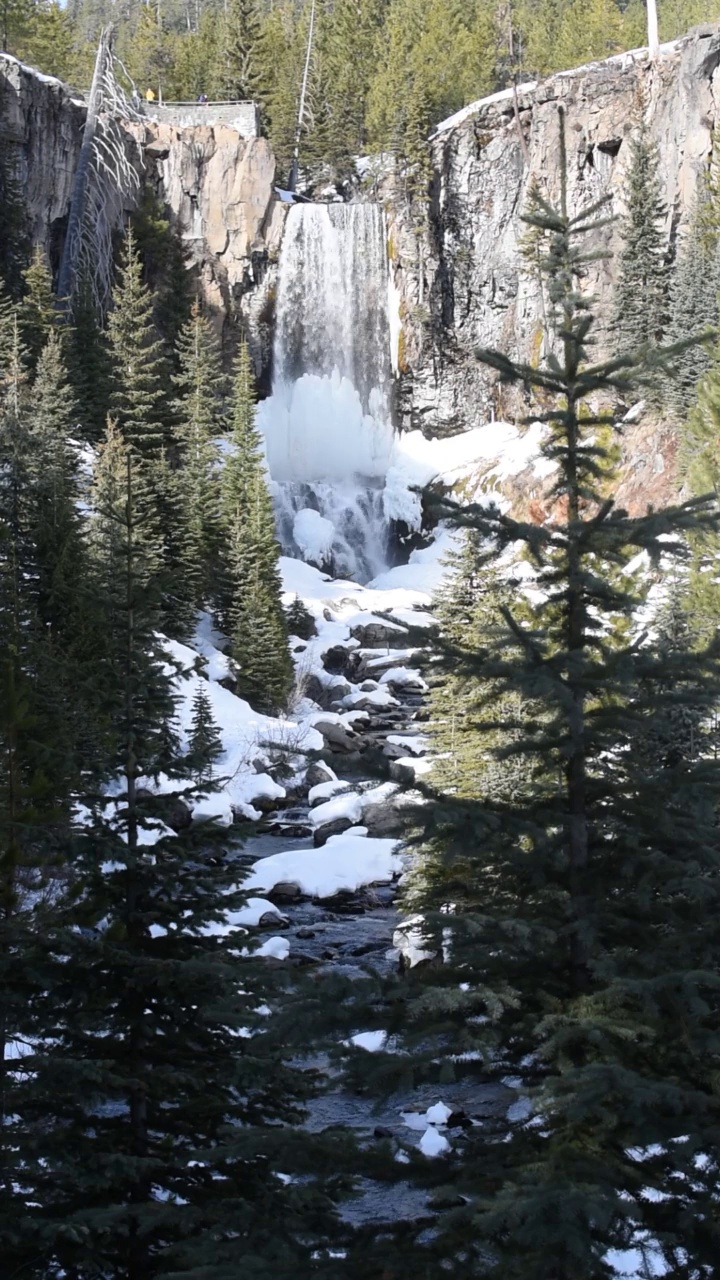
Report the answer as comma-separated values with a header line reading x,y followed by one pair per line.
x,y
466,285
217,185
463,282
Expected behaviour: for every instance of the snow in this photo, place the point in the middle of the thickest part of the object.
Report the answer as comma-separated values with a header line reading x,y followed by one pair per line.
x,y
374,697
349,807
434,1144
254,910
324,790
438,1114
274,948
313,534
345,864
370,1041
414,618
406,677
408,940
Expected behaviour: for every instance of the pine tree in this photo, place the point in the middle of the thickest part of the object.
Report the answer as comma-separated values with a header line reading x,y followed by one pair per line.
x,y
88,363
641,307
251,608
694,299
136,358
576,918
14,222
242,74
38,310
205,744
151,1128
164,268
300,621
201,421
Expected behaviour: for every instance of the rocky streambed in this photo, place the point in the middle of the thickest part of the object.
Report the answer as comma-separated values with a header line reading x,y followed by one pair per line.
x,y
321,905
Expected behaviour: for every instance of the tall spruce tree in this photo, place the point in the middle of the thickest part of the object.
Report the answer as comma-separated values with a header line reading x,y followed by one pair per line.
x,y
150,1126
201,420
14,246
204,740
88,364
38,310
694,301
576,919
136,358
241,59
251,608
641,290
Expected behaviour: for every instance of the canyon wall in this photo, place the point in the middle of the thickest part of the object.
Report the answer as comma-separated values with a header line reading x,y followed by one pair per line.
x,y
466,284
462,282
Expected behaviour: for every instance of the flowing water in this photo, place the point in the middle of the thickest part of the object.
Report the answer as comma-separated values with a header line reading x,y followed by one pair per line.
x,y
327,424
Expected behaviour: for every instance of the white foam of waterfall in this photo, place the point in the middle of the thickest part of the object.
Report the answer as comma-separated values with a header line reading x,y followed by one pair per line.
x,y
327,424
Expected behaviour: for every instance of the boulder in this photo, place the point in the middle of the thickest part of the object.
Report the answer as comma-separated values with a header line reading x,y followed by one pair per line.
x,y
322,834
317,773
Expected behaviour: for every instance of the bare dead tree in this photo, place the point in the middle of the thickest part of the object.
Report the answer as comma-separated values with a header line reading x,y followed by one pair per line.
x,y
107,179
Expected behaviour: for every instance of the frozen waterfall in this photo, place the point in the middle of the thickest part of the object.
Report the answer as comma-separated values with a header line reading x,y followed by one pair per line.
x,y
327,424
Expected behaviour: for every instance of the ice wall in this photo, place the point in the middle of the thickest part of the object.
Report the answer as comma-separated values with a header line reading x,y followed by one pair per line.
x,y
327,424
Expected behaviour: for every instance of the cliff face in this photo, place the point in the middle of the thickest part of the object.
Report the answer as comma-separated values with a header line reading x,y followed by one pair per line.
x,y
217,185
475,289
219,189
41,123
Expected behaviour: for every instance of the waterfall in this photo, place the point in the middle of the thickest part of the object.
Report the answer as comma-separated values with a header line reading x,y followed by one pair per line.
x,y
327,424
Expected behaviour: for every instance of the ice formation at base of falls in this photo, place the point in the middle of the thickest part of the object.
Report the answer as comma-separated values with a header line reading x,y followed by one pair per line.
x,y
327,425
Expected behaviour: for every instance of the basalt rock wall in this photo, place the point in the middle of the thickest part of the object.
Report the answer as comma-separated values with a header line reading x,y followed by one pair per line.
x,y
467,285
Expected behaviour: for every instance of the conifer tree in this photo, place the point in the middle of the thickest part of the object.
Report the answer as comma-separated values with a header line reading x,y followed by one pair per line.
x,y
205,744
88,363
201,421
164,269
151,1128
136,358
576,917
300,621
13,225
641,306
242,76
251,607
694,299
38,310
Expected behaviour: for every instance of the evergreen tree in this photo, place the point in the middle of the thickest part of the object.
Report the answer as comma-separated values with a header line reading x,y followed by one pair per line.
x,y
251,608
300,621
38,310
164,268
205,744
88,364
576,917
694,299
136,358
242,76
201,420
152,1130
641,307
13,224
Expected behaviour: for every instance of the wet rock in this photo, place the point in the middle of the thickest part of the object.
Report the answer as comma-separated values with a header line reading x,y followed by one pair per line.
x,y
380,1131
326,692
317,773
379,634
178,816
305,934
335,828
285,891
338,737
336,659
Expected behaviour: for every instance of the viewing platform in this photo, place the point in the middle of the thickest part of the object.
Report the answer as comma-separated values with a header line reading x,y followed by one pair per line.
x,y
244,117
